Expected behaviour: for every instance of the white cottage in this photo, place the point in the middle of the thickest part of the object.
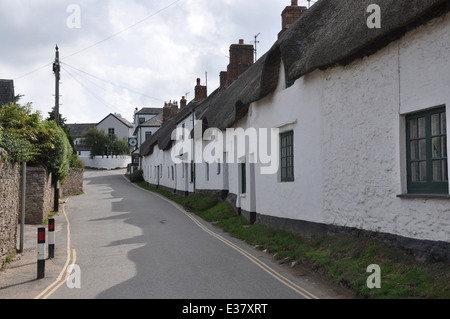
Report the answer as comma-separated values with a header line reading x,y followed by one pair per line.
x,y
361,120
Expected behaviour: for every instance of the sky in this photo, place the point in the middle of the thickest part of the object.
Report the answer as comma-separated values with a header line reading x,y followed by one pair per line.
x,y
119,55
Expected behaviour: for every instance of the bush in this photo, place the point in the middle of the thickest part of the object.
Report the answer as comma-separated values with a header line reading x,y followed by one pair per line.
x,y
137,176
28,138
75,161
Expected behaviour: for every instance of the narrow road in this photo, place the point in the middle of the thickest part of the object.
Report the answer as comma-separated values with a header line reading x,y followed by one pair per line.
x,y
130,243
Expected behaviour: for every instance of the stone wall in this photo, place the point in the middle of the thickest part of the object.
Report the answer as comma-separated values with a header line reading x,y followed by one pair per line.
x,y
9,205
74,183
40,195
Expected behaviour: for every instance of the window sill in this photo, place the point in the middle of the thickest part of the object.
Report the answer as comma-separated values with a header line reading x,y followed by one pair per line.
x,y
424,196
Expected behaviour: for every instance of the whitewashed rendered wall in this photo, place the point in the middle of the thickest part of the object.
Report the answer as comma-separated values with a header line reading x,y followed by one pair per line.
x,y
121,130
112,162
349,139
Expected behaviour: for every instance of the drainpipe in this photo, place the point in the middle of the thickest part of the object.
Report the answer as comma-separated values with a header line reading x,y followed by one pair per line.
x,y
193,148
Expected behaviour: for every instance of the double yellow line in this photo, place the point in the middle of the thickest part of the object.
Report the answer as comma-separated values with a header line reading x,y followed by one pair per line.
x,y
301,291
61,279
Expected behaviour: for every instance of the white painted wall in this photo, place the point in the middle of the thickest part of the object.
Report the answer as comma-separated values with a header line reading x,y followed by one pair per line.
x,y
121,130
349,137
349,141
112,162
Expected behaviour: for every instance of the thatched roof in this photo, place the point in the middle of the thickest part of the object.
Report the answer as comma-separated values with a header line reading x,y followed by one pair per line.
x,y
336,31
331,32
163,136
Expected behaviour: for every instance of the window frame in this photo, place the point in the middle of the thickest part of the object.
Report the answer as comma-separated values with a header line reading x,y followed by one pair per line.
x,y
287,171
243,169
429,185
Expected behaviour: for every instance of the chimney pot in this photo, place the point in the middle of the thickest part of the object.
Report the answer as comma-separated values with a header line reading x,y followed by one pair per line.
x,y
294,3
241,41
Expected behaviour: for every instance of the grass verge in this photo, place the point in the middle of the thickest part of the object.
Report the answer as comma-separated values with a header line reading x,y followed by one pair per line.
x,y
343,259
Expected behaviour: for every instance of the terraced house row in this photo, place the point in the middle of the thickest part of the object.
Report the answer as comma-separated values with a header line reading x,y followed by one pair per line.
x,y
360,116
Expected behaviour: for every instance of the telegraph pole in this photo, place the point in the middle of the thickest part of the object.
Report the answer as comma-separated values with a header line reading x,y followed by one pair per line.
x,y
57,71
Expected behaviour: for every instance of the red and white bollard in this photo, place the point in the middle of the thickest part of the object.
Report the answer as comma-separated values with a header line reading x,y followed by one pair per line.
x,y
51,238
41,253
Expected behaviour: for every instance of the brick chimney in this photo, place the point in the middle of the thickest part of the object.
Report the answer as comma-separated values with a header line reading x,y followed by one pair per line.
x,y
170,110
183,103
290,14
241,58
174,109
201,91
223,79
167,112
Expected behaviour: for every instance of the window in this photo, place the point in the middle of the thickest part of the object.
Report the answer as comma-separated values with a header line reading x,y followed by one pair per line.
x,y
111,132
141,120
287,156
148,135
243,178
426,149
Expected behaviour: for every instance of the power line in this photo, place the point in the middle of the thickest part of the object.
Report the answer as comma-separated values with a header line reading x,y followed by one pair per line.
x,y
104,40
122,31
31,72
96,84
92,93
115,84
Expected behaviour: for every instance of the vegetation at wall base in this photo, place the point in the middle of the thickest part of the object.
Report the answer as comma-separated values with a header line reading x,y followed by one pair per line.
x,y
341,259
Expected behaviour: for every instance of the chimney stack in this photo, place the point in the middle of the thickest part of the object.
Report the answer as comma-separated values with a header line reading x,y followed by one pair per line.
x,y
174,109
183,103
241,58
291,14
170,110
223,79
200,91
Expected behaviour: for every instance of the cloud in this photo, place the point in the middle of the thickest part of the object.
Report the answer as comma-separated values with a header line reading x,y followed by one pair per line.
x,y
155,60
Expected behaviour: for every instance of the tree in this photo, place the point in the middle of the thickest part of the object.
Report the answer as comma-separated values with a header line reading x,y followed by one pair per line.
x,y
101,144
120,147
96,141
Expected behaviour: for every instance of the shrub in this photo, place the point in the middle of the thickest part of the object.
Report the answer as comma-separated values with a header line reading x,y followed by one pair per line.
x,y
137,176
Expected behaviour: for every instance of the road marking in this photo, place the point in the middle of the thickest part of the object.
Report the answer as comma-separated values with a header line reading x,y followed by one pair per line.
x,y
303,292
60,280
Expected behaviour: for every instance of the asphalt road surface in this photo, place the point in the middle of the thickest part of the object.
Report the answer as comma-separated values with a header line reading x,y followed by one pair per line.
x,y
125,242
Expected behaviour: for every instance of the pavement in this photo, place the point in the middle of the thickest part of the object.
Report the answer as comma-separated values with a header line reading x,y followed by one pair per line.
x,y
18,279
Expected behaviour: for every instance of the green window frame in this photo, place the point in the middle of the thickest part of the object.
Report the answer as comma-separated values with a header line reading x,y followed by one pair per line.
x,y
287,156
243,178
426,152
